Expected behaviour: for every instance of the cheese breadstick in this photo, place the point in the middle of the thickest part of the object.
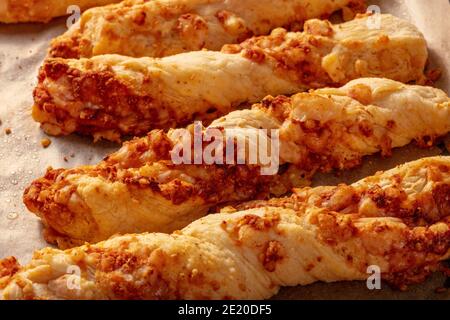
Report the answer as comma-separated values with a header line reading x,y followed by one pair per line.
x,y
160,28
140,187
110,96
397,221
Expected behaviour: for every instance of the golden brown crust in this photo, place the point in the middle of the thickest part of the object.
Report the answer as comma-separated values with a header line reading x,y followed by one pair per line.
x,y
396,220
297,58
96,87
52,196
111,96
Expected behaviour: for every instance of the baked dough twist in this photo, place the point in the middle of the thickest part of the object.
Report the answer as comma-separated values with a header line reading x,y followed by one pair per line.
x,y
14,11
398,220
139,188
160,28
109,96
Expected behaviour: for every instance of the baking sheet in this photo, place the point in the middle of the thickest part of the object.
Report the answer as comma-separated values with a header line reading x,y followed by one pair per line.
x,y
22,158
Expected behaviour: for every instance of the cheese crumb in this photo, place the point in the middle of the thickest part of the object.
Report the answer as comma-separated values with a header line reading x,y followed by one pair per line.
x,y
46,142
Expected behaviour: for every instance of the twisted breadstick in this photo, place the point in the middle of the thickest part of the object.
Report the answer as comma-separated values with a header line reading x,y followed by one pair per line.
x,y
13,11
160,28
398,220
109,96
139,188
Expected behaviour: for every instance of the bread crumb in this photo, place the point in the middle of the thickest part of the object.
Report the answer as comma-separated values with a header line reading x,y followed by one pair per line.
x,y
433,75
440,290
46,142
8,131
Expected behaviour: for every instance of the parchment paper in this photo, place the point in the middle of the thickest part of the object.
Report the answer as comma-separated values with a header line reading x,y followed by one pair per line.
x,y
22,158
